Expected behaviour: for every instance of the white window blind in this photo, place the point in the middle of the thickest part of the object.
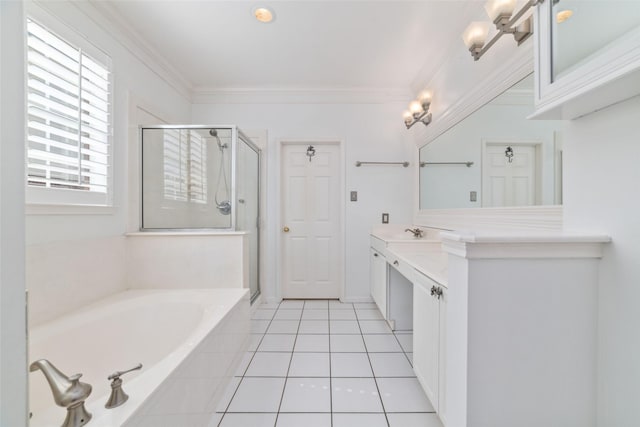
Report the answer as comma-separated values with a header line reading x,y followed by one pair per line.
x,y
185,166
68,118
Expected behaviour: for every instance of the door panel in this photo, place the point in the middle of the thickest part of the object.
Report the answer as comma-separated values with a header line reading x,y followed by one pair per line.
x,y
311,211
509,183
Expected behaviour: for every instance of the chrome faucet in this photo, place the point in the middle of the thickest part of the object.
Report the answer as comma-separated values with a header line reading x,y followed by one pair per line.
x,y
118,396
417,233
68,392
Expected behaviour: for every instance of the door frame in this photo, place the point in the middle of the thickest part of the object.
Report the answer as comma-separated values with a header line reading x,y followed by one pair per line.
x,y
279,237
538,147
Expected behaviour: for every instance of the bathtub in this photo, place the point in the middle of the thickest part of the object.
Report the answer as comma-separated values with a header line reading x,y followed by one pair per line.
x,y
189,342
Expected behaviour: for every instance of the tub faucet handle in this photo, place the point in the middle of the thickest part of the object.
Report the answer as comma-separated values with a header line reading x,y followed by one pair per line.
x,y
118,396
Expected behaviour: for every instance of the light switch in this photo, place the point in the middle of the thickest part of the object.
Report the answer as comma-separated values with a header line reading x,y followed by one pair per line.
x,y
354,196
385,218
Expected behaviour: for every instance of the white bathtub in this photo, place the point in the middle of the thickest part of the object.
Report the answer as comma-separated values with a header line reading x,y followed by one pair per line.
x,y
189,342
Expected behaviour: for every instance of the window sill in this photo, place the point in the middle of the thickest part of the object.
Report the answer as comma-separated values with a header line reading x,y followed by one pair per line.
x,y
52,209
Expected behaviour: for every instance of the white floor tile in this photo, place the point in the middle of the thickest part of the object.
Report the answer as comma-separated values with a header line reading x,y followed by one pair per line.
x,y
368,314
254,341
350,365
244,363
410,356
342,314
316,304
277,342
283,327
258,395
381,343
413,420
246,420
391,365
263,314
315,314
291,304
355,395
337,305
273,305
346,343
269,365
403,395
304,420
359,420
309,365
375,327
228,394
306,395
312,343
259,326
344,327
288,314
314,327
406,342
366,305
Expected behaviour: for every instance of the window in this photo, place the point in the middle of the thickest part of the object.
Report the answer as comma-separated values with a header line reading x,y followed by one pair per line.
x,y
68,116
185,167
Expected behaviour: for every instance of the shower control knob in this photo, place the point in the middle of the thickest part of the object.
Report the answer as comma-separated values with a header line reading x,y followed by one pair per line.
x,y
285,229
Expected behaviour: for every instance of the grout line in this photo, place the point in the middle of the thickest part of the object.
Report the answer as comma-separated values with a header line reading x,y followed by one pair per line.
x,y
330,374
373,373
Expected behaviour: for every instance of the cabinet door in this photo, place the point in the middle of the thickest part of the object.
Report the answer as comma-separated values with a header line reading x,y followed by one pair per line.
x,y
378,279
426,340
442,359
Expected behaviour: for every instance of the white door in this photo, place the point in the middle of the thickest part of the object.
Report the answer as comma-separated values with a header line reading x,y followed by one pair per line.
x,y
311,258
509,183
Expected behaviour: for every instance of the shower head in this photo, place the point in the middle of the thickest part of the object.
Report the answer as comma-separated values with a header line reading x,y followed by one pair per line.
x,y
213,132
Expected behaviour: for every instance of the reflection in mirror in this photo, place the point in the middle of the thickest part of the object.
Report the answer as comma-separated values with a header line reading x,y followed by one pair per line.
x,y
495,157
577,33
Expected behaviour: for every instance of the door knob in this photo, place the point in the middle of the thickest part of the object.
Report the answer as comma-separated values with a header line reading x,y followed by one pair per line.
x,y
285,229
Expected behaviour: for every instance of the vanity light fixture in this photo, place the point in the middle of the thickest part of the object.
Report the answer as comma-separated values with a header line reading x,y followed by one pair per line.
x,y
501,13
418,110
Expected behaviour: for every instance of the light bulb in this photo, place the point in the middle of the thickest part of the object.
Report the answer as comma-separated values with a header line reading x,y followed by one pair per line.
x,y
476,34
497,8
424,98
407,117
415,108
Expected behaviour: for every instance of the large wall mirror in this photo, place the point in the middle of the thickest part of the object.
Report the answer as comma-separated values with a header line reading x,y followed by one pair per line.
x,y
495,157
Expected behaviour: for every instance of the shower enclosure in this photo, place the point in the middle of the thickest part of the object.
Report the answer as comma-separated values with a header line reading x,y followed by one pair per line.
x,y
202,178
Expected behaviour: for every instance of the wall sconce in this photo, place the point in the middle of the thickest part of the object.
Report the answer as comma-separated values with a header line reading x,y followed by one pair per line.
x,y
501,13
418,110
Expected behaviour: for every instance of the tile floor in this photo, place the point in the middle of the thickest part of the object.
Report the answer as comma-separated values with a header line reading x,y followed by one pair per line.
x,y
319,363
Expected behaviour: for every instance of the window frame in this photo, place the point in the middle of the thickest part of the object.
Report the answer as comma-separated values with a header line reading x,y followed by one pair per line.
x,y
45,200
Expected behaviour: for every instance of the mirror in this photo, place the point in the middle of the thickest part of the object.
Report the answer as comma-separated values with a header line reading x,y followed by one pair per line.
x,y
495,157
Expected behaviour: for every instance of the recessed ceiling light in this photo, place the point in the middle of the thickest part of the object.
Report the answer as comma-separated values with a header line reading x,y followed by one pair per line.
x,y
263,14
563,15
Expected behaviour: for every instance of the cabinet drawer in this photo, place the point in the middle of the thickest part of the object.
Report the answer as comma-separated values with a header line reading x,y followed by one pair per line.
x,y
378,245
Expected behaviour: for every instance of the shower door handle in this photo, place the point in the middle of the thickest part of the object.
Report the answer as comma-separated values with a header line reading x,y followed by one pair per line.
x,y
285,229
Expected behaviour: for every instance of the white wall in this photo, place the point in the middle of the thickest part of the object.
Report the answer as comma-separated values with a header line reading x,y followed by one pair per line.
x,y
13,347
601,176
370,132
93,242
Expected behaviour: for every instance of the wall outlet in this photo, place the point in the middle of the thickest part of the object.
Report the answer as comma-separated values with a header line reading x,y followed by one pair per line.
x,y
385,218
354,196
473,196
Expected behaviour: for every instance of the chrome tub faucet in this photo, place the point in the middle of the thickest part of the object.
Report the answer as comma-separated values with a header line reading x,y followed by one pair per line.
x,y
68,392
417,233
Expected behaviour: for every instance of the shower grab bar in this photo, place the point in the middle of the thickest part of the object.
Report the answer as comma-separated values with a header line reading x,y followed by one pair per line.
x,y
468,164
404,164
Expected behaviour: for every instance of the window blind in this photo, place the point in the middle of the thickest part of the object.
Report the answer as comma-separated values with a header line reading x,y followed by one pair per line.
x,y
68,116
185,166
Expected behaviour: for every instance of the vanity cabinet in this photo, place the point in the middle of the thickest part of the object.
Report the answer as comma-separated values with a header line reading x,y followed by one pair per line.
x,y
429,339
378,279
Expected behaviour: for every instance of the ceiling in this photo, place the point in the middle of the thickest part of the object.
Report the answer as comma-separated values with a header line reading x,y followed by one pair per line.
x,y
310,45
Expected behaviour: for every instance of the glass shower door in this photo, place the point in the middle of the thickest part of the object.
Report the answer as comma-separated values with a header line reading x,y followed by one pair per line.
x,y
248,202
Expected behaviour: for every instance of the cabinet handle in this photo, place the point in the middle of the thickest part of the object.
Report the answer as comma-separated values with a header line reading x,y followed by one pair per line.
x,y
433,290
438,293
375,255
396,263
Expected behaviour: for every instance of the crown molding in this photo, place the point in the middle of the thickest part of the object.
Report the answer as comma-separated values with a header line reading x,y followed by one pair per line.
x,y
109,19
205,95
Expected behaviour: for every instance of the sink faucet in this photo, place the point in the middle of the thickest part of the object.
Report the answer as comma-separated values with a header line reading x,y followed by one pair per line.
x,y
68,392
417,233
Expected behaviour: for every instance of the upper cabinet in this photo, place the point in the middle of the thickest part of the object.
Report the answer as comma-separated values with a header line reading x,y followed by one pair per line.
x,y
582,65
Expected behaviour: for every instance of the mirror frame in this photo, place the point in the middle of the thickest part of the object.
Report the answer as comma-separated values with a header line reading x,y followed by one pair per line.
x,y
548,217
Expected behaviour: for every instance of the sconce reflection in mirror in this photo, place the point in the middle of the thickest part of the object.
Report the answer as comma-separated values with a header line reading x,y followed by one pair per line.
x,y
418,110
509,154
311,152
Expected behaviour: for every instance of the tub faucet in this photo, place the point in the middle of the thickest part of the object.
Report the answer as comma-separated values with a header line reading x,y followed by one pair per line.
x,y
415,231
118,396
68,392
